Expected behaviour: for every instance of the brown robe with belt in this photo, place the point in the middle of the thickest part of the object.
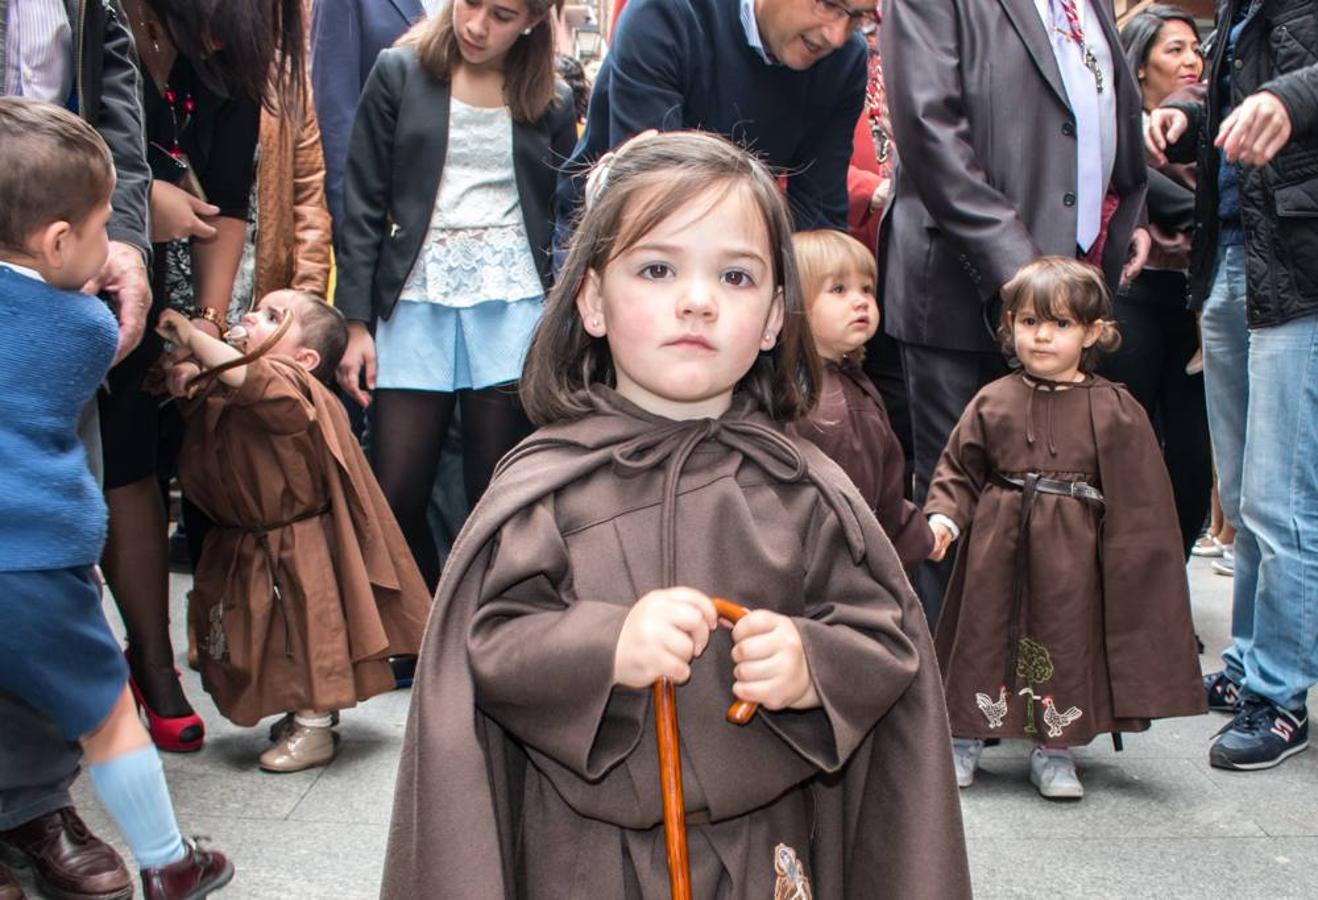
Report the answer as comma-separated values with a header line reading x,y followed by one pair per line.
x,y
275,466
525,773
850,424
1104,600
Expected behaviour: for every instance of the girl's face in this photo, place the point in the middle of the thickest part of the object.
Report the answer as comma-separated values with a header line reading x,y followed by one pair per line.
x,y
844,315
687,309
487,29
1173,62
1048,348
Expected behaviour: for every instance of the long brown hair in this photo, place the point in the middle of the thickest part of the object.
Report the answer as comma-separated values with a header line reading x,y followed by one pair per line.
x,y
528,84
260,46
644,183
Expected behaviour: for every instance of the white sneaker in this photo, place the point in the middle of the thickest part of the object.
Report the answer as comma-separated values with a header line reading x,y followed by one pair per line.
x,y
1227,564
965,758
1053,773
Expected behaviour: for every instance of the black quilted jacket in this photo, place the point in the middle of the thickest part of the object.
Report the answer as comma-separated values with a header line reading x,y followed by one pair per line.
x,y
1277,52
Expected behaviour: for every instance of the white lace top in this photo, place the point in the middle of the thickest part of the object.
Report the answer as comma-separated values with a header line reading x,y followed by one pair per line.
x,y
476,248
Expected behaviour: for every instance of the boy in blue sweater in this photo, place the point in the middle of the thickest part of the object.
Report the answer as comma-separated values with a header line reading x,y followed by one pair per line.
x,y
56,650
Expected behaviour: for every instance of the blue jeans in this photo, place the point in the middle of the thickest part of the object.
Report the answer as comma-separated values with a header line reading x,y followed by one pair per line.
x,y
1262,392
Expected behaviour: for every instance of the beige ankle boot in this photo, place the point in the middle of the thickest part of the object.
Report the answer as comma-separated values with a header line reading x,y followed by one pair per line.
x,y
302,747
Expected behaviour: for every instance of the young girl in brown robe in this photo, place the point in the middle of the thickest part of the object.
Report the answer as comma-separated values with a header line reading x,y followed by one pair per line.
x,y
1068,612
672,351
850,422
305,587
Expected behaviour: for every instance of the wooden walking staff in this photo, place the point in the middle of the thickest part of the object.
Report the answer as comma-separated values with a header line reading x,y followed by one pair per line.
x,y
670,763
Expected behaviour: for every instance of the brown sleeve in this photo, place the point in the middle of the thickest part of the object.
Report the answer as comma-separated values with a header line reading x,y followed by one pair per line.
x,y
311,218
861,662
901,519
542,659
274,393
962,471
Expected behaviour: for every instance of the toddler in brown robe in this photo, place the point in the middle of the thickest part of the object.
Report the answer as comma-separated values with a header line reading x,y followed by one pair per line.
x,y
1068,611
850,422
672,351
305,586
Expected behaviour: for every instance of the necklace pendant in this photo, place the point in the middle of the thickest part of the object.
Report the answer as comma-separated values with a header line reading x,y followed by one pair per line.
x,y
1091,63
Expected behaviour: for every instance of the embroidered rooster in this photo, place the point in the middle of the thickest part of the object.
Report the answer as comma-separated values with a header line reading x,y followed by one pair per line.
x,y
995,712
1055,720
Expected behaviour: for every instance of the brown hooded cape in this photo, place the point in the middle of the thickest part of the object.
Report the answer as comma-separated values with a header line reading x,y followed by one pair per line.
x,y
274,464
513,719
850,424
1105,591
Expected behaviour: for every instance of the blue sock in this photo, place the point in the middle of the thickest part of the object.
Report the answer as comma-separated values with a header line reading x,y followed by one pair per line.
x,y
132,788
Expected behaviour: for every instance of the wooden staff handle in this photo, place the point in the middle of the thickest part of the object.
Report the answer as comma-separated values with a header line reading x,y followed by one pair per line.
x,y
670,764
670,784
741,711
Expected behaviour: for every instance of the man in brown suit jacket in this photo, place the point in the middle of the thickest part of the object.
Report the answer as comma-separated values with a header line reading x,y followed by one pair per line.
x,y
991,149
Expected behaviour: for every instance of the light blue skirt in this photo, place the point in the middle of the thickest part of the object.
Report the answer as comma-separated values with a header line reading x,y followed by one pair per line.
x,y
432,347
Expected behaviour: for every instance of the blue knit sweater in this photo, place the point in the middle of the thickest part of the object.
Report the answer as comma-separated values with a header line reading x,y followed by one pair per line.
x,y
687,64
55,348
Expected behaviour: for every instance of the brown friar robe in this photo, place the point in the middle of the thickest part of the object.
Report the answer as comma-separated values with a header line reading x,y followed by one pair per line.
x,y
525,773
1102,627
850,424
274,464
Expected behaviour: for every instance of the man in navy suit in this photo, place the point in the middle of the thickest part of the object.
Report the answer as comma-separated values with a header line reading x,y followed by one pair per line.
x,y
346,36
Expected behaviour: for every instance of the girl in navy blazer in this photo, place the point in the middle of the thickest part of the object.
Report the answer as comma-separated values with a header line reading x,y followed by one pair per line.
x,y
445,256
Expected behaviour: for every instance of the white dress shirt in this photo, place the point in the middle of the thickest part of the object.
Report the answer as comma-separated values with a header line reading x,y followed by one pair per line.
x,y
39,51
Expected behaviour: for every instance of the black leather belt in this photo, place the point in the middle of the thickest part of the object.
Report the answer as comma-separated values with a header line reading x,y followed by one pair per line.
x,y
262,535
1030,487
1080,490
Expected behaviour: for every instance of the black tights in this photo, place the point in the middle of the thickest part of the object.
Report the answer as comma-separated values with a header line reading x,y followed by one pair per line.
x,y
136,566
407,431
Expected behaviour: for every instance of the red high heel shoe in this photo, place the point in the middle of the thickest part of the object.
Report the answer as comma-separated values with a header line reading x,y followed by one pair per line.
x,y
181,734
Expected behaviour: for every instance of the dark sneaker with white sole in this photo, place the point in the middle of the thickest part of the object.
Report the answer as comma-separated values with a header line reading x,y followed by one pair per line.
x,y
1261,736
1223,692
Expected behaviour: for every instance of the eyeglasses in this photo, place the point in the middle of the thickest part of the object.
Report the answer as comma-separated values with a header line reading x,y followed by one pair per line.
x,y
833,11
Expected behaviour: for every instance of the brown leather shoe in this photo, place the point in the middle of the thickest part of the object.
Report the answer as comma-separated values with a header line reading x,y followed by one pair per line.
x,y
70,863
196,875
10,889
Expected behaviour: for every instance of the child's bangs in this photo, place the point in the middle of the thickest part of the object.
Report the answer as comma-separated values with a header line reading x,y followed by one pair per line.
x,y
665,196
825,254
1057,289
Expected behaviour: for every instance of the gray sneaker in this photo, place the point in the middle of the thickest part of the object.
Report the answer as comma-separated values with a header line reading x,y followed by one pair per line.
x,y
965,758
1052,771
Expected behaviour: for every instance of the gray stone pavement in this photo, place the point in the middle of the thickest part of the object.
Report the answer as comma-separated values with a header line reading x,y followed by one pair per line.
x,y
1157,821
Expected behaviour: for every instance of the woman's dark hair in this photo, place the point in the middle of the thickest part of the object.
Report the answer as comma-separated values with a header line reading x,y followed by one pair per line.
x,y
571,71
249,48
528,86
1141,32
1057,287
632,191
